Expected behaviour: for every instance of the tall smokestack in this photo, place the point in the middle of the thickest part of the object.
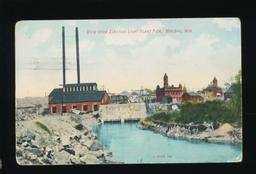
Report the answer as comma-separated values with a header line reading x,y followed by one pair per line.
x,y
77,56
63,56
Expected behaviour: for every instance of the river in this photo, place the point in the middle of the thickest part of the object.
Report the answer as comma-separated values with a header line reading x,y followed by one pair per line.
x,y
130,144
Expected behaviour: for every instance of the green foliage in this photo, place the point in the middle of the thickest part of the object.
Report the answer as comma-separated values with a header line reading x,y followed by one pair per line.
x,y
42,126
209,111
235,103
150,91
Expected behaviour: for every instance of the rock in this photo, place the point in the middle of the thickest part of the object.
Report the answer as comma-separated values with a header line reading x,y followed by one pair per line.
x,y
26,139
65,141
46,160
25,144
30,135
74,160
80,150
62,157
79,127
96,145
86,142
70,151
108,154
90,159
36,151
98,154
18,152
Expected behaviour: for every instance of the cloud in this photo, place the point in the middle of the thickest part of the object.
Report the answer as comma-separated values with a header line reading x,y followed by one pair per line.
x,y
40,36
157,47
198,49
227,24
202,59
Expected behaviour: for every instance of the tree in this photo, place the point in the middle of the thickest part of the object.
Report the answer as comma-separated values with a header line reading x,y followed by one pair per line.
x,y
235,103
150,91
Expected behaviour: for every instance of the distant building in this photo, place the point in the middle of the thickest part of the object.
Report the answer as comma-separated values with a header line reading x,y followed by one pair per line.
x,y
228,93
213,91
84,97
119,99
168,93
149,98
191,97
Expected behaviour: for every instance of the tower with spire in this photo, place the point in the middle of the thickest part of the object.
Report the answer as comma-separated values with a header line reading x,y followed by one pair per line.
x,y
168,92
166,80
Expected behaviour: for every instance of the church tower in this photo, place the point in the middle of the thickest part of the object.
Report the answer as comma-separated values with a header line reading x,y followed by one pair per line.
x,y
215,82
165,80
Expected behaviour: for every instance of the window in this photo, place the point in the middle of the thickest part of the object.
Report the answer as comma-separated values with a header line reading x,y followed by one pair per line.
x,y
83,88
74,89
54,109
85,107
74,107
95,107
64,109
86,88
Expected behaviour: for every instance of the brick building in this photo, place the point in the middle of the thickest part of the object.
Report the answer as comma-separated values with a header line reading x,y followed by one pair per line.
x,y
213,91
172,93
84,97
192,97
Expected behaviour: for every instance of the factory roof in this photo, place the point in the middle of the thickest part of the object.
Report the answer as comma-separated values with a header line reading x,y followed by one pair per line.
x,y
57,96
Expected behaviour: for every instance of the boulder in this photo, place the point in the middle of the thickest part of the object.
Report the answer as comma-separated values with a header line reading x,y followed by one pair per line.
x,y
79,127
74,160
86,142
90,159
62,157
36,151
80,150
98,154
30,135
96,145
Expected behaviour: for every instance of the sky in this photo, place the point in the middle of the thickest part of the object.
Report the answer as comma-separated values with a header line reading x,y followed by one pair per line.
x,y
127,54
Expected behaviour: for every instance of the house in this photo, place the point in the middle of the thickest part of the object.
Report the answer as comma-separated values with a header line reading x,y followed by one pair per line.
x,y
213,91
84,97
119,99
191,97
168,93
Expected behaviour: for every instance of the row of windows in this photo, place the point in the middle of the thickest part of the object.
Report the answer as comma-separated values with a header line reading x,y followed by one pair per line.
x,y
85,108
80,88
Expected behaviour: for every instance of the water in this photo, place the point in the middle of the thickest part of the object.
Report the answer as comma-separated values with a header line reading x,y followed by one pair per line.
x,y
133,145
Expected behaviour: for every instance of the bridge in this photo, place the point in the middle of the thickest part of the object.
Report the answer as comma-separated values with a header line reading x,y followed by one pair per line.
x,y
122,112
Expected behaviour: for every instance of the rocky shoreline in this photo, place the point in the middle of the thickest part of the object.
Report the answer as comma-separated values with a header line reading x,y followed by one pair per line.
x,y
213,133
59,140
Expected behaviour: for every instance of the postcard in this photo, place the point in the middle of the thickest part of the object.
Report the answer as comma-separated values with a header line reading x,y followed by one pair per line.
x,y
128,91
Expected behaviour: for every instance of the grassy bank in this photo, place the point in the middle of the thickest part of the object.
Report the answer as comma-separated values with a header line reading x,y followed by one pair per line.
x,y
210,111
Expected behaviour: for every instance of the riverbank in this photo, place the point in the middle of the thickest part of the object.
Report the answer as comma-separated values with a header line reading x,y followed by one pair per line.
x,y
59,140
224,133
